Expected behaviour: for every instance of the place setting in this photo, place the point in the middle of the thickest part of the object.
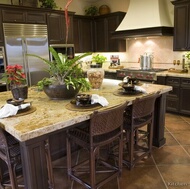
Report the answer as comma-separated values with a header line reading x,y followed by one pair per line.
x,y
87,102
130,86
16,107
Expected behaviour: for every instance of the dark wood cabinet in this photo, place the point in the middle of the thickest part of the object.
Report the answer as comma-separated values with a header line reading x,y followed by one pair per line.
x,y
104,26
110,75
57,28
23,16
184,105
181,25
83,35
36,17
172,100
95,33
177,100
13,16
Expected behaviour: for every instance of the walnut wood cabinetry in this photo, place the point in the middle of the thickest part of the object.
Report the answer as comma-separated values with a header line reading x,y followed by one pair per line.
x,y
83,36
181,25
177,100
57,28
104,26
110,75
184,105
95,33
172,100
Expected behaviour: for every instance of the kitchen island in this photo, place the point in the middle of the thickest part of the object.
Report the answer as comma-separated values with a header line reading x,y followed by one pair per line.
x,y
51,117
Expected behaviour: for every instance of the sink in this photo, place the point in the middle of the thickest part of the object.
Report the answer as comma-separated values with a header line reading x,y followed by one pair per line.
x,y
173,70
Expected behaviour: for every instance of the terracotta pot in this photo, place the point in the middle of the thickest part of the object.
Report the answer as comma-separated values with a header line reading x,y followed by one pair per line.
x,y
20,92
60,92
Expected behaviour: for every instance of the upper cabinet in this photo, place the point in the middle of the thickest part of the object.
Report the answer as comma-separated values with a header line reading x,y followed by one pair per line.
x,y
181,25
95,33
83,35
55,20
104,26
57,28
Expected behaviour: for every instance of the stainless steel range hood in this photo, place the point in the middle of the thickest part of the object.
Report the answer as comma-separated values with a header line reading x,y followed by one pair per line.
x,y
146,18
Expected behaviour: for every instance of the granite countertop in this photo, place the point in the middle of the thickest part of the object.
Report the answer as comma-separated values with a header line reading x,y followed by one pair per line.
x,y
167,73
51,115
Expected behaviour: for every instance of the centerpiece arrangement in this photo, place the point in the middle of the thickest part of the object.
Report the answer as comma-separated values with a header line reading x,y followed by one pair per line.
x,y
15,78
96,73
66,75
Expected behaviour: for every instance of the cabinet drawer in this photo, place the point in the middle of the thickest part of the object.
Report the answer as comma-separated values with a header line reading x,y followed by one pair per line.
x,y
175,92
185,82
172,104
173,81
13,16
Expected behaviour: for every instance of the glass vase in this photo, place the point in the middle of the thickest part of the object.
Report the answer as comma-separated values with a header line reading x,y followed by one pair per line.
x,y
95,76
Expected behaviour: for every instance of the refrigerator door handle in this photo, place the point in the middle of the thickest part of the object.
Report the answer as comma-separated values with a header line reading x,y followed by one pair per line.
x,y
25,63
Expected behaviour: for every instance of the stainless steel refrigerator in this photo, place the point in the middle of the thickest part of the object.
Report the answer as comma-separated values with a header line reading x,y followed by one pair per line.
x,y
23,39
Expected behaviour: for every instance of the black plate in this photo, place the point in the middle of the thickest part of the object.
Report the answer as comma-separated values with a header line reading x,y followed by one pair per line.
x,y
15,102
82,105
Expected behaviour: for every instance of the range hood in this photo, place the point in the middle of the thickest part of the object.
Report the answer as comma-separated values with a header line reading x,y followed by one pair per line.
x,y
146,18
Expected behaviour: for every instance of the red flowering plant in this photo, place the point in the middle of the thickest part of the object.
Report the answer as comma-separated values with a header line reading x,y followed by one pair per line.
x,y
14,75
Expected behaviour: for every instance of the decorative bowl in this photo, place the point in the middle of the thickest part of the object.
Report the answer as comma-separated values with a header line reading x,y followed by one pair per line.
x,y
83,99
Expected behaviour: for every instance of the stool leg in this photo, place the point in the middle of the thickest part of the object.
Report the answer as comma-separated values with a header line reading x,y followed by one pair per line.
x,y
68,156
92,167
12,175
49,164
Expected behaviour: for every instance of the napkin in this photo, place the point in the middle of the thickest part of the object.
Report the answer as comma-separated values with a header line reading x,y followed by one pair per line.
x,y
11,110
139,88
99,99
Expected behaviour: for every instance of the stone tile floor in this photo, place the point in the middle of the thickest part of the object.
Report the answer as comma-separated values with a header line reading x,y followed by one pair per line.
x,y
167,168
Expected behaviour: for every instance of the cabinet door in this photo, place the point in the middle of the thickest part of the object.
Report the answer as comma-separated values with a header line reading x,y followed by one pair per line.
x,y
104,27
36,17
101,40
173,97
14,16
181,24
57,28
185,96
83,34
114,45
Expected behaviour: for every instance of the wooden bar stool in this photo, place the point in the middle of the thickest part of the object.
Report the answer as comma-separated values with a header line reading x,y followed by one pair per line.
x,y
10,154
137,116
105,127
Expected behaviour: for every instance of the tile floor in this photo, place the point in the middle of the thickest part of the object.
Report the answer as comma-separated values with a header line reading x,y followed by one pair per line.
x,y
168,168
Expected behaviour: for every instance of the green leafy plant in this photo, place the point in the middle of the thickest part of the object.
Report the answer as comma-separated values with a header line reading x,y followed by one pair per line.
x,y
187,55
91,11
99,59
48,4
64,71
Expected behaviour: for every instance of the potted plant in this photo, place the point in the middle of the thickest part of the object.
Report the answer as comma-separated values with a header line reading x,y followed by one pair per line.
x,y
91,11
15,77
65,74
99,59
48,4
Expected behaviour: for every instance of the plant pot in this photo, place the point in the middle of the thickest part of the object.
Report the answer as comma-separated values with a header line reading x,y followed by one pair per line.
x,y
20,92
60,92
